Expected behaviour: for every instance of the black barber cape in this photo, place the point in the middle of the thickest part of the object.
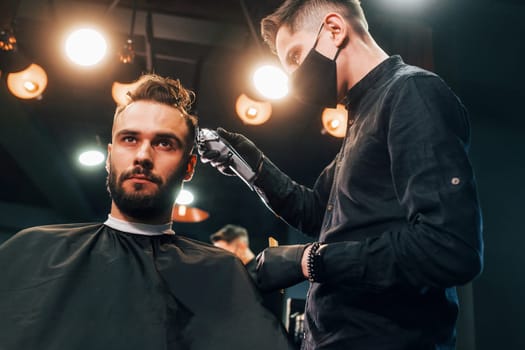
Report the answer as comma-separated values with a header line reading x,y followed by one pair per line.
x,y
88,286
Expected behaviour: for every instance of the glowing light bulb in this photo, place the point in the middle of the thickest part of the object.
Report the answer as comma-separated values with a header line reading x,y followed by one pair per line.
x,y
185,197
335,120
251,112
334,124
271,82
91,158
30,86
86,47
28,83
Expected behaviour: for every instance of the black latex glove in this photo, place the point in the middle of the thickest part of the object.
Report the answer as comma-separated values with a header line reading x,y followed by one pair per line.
x,y
244,147
280,267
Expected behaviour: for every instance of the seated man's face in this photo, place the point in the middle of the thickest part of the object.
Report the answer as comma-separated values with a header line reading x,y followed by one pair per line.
x,y
233,247
148,159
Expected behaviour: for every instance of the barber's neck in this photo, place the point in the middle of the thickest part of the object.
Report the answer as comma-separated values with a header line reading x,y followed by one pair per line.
x,y
362,55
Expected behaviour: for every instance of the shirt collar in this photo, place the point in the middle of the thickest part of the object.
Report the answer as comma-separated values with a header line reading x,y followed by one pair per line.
x,y
138,228
375,77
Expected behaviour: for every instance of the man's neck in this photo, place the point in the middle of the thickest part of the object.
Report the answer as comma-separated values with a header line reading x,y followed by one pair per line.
x,y
363,55
159,219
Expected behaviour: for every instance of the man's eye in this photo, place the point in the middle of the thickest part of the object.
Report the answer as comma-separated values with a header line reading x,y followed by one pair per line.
x,y
129,139
165,144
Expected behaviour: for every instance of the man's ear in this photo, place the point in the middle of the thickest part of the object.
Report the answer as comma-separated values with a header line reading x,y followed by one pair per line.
x,y
338,28
108,157
190,167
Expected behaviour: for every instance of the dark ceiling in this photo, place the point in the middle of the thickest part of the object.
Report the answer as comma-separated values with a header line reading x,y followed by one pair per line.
x,y
210,45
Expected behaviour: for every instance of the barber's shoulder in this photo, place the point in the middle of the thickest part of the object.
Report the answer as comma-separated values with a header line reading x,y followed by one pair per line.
x,y
408,73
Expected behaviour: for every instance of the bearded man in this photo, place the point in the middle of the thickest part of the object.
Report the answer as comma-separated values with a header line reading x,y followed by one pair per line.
x,y
131,282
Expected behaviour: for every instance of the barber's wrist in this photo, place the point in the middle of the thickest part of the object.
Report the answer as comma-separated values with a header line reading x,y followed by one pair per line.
x,y
312,264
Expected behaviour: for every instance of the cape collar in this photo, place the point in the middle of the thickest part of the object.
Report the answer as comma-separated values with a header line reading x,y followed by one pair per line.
x,y
138,228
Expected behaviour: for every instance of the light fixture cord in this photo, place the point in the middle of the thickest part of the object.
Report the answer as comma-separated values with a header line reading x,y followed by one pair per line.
x,y
15,4
133,16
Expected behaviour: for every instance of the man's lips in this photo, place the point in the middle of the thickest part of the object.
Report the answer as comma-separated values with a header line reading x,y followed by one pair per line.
x,y
140,178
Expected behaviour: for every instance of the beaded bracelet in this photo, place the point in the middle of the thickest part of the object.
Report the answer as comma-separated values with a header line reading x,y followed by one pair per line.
x,y
313,262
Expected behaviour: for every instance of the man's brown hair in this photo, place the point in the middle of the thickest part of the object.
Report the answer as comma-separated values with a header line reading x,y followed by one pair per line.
x,y
308,14
165,91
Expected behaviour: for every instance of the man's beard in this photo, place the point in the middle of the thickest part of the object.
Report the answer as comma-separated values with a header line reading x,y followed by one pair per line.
x,y
139,205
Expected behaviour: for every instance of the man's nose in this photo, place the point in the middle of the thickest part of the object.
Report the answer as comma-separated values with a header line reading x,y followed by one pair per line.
x,y
144,153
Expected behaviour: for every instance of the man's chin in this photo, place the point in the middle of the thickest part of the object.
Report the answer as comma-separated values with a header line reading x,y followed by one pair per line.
x,y
140,205
139,190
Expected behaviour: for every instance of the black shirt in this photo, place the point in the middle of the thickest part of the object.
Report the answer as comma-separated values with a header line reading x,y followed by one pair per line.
x,y
399,212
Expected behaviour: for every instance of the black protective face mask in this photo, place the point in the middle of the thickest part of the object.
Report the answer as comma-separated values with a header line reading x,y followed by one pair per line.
x,y
315,80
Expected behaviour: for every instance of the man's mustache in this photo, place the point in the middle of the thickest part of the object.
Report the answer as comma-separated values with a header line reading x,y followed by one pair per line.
x,y
140,171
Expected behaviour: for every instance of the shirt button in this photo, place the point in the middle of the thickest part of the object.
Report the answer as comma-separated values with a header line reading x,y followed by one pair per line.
x,y
455,181
329,207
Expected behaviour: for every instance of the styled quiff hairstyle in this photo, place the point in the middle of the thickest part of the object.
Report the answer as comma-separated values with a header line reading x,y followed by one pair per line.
x,y
166,91
308,15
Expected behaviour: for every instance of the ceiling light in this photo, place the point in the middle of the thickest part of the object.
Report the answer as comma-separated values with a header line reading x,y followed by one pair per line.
x,y
271,82
183,213
28,83
91,158
119,91
86,47
335,120
7,40
185,197
127,52
251,111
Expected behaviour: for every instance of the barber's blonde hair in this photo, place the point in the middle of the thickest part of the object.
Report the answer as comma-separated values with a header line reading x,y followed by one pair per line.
x,y
308,14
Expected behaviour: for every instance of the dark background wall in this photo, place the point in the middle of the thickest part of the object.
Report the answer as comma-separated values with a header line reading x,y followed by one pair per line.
x,y
479,51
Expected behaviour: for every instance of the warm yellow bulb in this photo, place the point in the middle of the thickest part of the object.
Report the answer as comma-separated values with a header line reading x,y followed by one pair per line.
x,y
86,47
271,81
334,124
119,91
335,120
251,111
30,86
29,83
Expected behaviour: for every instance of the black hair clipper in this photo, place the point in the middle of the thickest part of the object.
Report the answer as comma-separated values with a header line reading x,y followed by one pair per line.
x,y
210,140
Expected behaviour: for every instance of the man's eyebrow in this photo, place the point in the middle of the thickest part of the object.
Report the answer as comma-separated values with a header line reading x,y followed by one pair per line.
x,y
127,132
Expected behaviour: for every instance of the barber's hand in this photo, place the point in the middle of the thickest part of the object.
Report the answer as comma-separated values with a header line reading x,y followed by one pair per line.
x,y
280,267
244,147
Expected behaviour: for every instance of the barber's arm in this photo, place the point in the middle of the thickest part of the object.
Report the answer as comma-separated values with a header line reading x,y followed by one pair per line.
x,y
300,206
441,245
